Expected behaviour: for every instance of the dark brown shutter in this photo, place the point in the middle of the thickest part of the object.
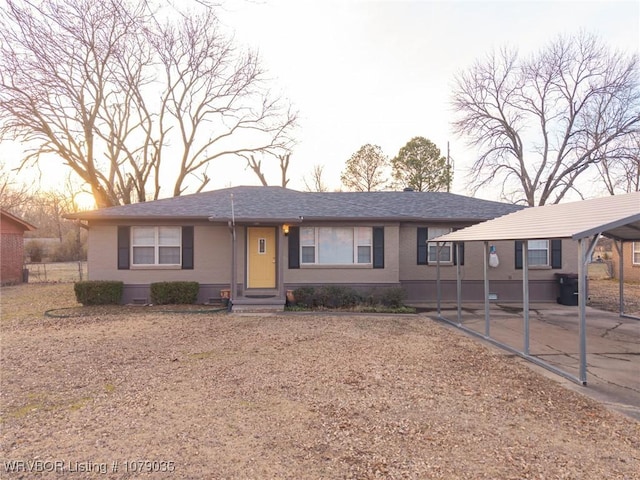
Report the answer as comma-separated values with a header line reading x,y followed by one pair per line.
x,y
378,247
519,255
123,247
556,253
294,247
187,248
423,257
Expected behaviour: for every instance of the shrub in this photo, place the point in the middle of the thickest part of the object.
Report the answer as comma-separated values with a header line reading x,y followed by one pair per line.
x,y
393,297
335,296
181,293
328,296
35,249
69,249
98,292
305,297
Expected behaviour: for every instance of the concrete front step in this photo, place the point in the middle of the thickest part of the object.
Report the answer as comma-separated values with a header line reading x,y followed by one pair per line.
x,y
248,304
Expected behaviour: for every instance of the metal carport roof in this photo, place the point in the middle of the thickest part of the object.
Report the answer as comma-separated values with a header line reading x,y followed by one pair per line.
x,y
617,217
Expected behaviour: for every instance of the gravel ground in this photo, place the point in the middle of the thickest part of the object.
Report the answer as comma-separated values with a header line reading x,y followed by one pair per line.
x,y
147,393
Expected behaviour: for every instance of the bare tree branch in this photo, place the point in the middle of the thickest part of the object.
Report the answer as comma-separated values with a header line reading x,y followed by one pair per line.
x,y
541,123
119,95
316,182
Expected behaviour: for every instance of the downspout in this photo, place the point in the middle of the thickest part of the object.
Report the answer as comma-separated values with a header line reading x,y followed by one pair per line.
x,y
234,282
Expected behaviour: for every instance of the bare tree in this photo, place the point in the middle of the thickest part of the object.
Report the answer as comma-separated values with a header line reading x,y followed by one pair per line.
x,y
619,168
13,194
316,182
365,170
119,95
540,123
256,166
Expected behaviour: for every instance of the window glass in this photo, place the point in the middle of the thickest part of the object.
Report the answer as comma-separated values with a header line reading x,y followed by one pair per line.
x,y
143,255
636,252
538,253
308,254
169,255
364,254
307,236
443,248
144,236
169,236
335,245
156,245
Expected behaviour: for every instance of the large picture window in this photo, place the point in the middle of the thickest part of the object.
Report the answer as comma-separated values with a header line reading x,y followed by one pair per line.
x,y
156,245
336,245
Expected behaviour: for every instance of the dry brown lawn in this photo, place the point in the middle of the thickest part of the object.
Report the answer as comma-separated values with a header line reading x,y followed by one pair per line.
x,y
220,396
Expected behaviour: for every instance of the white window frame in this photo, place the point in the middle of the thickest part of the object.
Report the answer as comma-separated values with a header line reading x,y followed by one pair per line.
x,y
635,253
433,232
536,246
156,246
312,241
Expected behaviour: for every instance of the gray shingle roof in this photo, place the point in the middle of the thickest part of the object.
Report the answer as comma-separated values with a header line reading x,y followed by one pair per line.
x,y
277,204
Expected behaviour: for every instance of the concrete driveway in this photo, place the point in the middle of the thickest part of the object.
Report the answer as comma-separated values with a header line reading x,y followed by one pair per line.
x,y
613,346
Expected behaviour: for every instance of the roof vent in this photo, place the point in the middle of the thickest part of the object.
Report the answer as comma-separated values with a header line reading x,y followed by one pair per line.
x,y
408,189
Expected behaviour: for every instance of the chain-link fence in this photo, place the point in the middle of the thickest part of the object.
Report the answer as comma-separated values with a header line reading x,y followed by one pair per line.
x,y
41,272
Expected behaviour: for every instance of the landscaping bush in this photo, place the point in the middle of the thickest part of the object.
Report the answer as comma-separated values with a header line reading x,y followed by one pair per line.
x,y
337,296
305,297
177,293
328,296
98,292
393,297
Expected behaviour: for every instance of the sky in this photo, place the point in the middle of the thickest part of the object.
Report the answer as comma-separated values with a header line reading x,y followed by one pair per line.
x,y
381,71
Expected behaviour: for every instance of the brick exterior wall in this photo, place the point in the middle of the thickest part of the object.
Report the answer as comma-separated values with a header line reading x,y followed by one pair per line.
x,y
11,259
631,270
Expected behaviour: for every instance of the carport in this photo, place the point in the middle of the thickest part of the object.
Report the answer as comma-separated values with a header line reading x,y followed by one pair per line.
x,y
616,217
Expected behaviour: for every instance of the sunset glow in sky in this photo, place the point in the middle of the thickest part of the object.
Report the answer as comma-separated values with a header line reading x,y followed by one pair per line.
x,y
381,72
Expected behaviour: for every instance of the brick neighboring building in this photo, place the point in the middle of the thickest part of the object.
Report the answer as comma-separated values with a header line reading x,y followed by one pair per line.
x,y
631,266
12,231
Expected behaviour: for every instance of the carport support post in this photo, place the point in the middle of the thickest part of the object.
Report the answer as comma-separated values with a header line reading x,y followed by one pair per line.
x,y
583,311
620,249
525,293
458,283
438,289
487,327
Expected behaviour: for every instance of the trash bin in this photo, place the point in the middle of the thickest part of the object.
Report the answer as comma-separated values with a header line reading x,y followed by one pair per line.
x,y
567,288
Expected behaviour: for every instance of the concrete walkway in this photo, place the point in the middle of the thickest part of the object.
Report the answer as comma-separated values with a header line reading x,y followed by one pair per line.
x,y
613,346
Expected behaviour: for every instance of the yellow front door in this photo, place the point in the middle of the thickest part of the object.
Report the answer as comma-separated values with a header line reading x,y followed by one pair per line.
x,y
261,257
